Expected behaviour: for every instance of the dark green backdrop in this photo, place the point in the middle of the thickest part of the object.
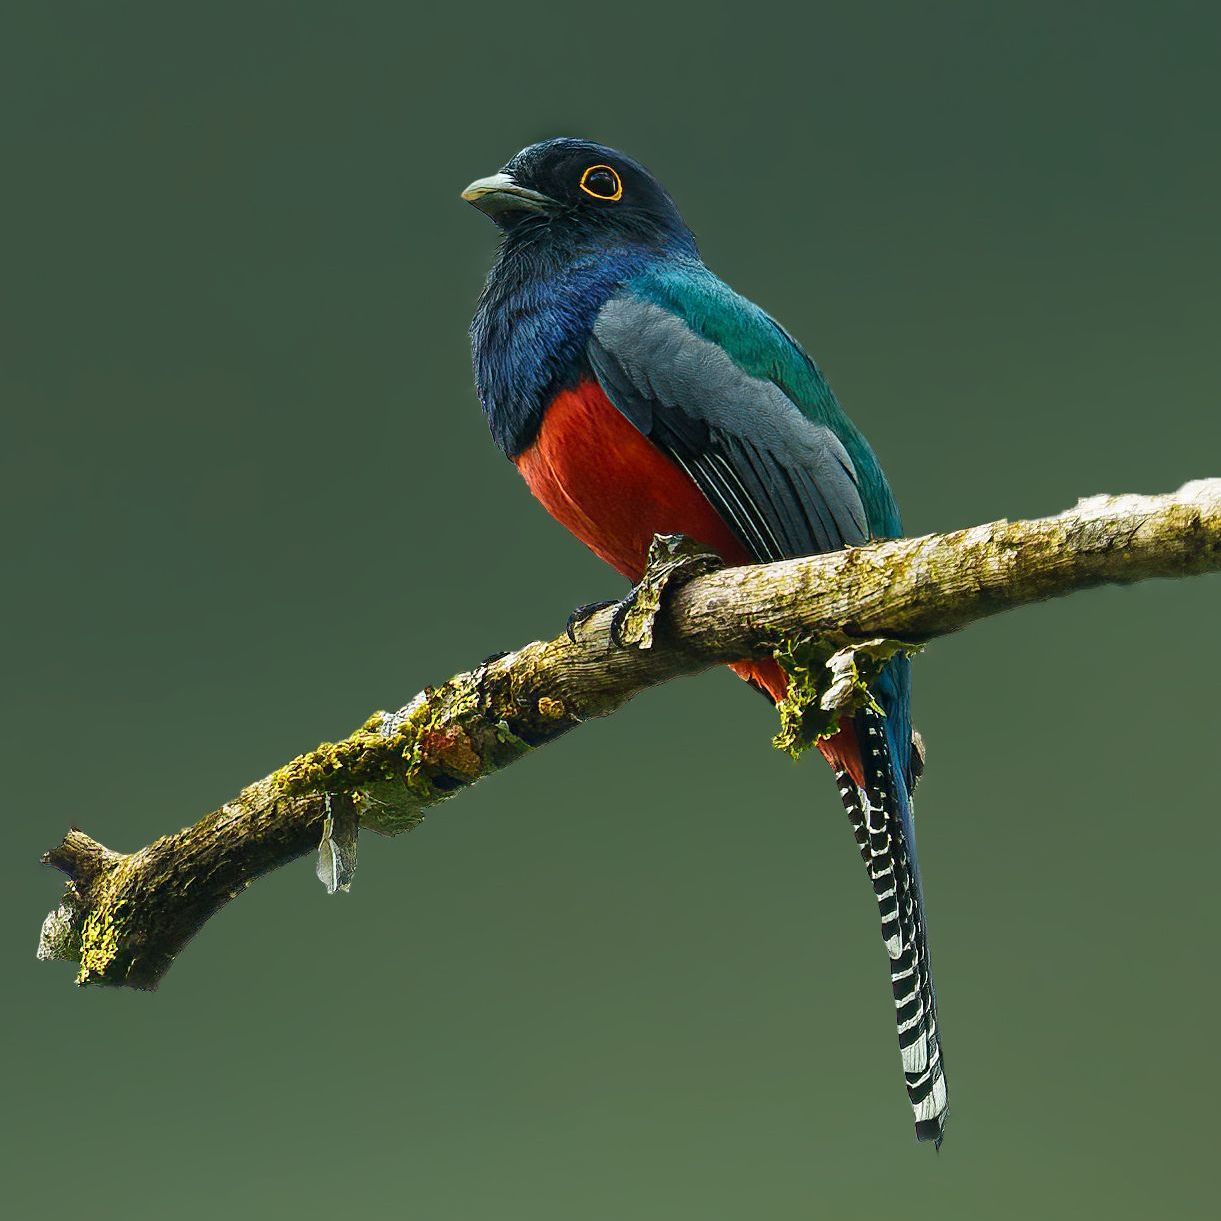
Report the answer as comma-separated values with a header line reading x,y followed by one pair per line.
x,y
249,497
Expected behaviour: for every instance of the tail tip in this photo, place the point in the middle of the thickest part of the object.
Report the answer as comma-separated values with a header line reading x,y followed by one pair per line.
x,y
932,1129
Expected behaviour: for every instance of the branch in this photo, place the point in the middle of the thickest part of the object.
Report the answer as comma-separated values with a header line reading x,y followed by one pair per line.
x,y
830,620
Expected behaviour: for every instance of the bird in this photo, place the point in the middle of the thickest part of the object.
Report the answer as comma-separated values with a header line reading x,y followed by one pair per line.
x,y
638,394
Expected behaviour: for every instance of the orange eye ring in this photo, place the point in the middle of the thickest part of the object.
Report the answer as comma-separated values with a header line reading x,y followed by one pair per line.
x,y
615,196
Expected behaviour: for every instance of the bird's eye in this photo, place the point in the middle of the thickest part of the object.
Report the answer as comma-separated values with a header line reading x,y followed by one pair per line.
x,y
602,182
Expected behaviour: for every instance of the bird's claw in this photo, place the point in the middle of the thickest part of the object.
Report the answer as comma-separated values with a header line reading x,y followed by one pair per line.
x,y
583,612
673,560
619,632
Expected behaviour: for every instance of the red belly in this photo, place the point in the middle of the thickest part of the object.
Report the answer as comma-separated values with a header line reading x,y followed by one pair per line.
x,y
603,479
611,487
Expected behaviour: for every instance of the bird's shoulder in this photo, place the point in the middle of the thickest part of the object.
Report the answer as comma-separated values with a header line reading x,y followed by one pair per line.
x,y
750,337
684,337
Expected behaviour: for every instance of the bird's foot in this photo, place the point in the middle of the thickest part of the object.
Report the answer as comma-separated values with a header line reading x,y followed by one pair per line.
x,y
674,559
583,612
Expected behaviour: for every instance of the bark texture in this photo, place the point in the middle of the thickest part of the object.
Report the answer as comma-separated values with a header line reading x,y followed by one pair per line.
x,y
831,620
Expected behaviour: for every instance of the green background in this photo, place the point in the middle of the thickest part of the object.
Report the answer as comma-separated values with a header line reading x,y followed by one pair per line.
x,y
249,497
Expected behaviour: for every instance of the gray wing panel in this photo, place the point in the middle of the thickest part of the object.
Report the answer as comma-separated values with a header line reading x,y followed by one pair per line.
x,y
782,482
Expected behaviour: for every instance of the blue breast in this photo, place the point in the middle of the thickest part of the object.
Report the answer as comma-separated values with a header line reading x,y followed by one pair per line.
x,y
529,334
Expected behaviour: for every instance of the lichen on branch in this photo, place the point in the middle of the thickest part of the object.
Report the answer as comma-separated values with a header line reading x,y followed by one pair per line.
x,y
831,620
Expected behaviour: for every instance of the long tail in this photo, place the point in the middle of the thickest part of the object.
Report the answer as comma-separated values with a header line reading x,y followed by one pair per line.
x,y
881,814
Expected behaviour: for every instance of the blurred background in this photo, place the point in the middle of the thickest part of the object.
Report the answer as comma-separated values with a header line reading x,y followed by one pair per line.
x,y
249,497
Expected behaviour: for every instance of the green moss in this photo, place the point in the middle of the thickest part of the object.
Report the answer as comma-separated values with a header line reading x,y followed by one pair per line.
x,y
397,764
829,678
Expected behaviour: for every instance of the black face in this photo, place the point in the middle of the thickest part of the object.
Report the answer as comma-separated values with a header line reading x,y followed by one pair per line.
x,y
578,184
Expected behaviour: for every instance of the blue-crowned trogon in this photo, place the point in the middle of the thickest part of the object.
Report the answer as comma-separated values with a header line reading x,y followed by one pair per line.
x,y
639,395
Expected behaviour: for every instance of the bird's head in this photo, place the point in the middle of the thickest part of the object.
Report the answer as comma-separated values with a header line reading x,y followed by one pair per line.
x,y
578,190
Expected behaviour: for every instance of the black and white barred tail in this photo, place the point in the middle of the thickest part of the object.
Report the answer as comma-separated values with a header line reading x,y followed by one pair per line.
x,y
880,813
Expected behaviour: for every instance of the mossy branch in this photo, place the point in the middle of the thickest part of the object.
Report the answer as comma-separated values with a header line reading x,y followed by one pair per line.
x,y
124,917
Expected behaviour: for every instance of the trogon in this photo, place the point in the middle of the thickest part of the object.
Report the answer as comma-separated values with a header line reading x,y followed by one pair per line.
x,y
638,394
